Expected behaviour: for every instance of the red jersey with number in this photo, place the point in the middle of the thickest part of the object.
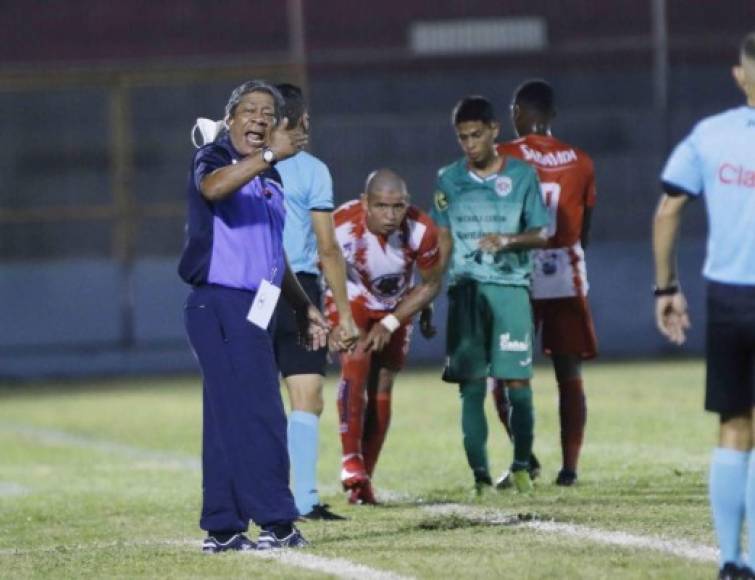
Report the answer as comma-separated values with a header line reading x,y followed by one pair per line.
x,y
380,269
567,183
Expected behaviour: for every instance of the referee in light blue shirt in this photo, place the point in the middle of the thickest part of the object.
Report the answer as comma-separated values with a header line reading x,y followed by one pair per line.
x,y
308,237
717,162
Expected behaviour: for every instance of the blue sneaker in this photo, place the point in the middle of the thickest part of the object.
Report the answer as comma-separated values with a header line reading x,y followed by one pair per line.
x,y
237,543
269,541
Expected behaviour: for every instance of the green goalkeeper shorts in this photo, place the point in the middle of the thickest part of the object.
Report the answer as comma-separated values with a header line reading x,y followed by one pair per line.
x,y
489,332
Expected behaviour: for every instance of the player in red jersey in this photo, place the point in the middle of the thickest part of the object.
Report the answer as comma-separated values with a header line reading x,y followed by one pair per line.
x,y
559,281
382,237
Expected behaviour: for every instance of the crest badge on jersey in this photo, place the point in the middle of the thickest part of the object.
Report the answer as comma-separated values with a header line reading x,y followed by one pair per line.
x,y
441,200
503,186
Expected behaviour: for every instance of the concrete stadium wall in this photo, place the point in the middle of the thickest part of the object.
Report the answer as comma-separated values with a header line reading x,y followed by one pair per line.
x,y
64,319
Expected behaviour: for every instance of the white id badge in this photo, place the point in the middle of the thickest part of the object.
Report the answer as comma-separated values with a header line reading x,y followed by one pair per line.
x,y
263,305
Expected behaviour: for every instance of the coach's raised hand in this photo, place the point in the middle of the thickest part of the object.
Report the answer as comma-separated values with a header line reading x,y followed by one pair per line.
x,y
286,142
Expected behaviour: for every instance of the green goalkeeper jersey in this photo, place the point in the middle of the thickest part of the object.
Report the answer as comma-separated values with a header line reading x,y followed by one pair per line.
x,y
507,202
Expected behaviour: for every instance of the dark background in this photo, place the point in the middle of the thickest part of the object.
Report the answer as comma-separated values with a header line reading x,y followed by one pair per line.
x,y
97,99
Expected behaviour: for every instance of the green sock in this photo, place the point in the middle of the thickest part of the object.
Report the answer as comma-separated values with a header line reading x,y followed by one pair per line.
x,y
474,426
522,425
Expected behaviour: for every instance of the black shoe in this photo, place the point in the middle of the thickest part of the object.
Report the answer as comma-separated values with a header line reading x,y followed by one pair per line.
x,y
321,511
566,478
268,540
731,571
745,573
237,542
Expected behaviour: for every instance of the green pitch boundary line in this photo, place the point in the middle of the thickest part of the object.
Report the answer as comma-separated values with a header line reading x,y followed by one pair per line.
x,y
673,547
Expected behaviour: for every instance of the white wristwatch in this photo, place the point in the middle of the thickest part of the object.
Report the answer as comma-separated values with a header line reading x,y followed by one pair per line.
x,y
268,156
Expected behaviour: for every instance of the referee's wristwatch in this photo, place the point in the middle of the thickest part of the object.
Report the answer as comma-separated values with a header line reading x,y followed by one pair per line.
x,y
268,156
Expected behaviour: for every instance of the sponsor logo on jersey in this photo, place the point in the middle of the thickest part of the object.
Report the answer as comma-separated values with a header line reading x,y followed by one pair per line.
x,y
553,159
511,345
503,186
388,286
731,174
441,200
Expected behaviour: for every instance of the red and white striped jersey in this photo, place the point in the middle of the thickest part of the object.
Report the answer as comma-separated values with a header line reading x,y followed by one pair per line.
x,y
380,269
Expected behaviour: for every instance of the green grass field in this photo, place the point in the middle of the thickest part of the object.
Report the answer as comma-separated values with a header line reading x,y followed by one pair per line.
x,y
101,480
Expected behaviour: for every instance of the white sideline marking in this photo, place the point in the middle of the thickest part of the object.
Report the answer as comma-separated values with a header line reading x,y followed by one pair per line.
x,y
8,489
337,567
54,437
680,548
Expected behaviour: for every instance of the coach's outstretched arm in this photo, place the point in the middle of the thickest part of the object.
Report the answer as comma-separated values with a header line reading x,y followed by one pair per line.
x,y
670,304
419,297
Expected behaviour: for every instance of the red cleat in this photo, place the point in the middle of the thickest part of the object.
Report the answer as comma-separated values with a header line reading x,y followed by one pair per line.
x,y
353,474
363,495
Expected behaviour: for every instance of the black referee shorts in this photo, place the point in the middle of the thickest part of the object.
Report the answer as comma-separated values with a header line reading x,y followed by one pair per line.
x,y
293,358
730,349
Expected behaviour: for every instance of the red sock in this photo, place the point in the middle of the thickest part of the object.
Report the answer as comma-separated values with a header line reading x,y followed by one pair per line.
x,y
502,405
351,401
374,437
572,409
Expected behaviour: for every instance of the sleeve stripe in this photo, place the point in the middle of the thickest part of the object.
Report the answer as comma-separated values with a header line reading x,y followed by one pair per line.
x,y
674,190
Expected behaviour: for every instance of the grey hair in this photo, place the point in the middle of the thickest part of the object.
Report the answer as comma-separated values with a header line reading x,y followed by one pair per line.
x,y
254,87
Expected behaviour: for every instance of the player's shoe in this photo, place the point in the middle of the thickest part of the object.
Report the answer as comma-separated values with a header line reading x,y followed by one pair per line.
x,y
268,540
237,543
566,478
506,481
321,511
745,573
483,483
522,481
363,495
353,473
731,571
534,467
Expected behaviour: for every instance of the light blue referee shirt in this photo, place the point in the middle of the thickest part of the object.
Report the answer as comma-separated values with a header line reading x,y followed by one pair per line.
x,y
307,186
717,159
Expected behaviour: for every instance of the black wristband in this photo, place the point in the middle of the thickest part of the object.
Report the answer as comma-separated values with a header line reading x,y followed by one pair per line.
x,y
667,291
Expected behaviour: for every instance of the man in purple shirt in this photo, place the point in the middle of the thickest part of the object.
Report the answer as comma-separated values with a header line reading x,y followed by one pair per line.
x,y
235,261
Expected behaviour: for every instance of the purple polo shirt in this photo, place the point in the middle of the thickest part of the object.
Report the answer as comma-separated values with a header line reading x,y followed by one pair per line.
x,y
238,241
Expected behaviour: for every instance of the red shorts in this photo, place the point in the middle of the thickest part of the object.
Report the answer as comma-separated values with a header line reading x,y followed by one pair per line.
x,y
393,356
565,326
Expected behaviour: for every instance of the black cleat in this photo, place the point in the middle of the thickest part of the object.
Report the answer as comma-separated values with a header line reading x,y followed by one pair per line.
x,y
321,511
566,478
731,571
745,573
268,540
236,543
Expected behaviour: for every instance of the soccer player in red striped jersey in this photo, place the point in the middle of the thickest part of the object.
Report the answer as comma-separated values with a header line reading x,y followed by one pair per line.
x,y
559,281
382,238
